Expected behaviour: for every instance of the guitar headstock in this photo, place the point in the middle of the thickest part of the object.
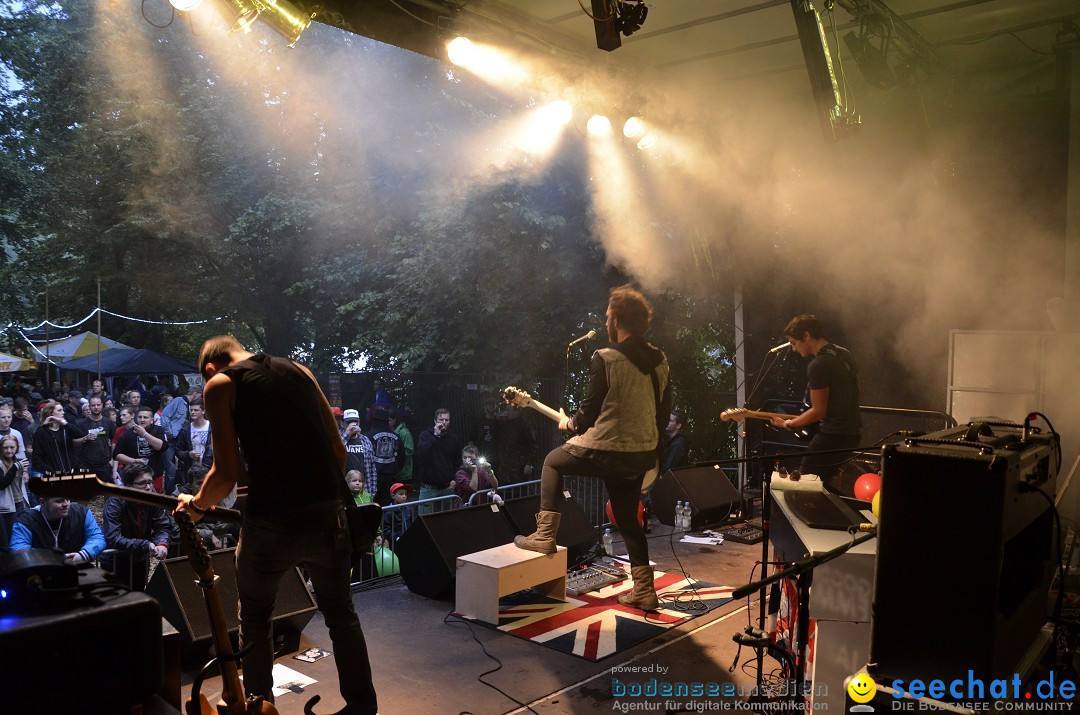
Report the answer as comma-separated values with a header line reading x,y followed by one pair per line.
x,y
80,485
733,414
517,396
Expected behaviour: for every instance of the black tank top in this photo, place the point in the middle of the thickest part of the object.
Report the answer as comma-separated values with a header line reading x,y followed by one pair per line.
x,y
280,425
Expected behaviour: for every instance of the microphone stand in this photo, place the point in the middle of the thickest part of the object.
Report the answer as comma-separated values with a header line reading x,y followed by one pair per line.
x,y
804,572
766,513
766,506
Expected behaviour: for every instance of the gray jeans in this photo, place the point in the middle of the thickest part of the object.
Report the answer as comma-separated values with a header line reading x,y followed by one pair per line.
x,y
315,537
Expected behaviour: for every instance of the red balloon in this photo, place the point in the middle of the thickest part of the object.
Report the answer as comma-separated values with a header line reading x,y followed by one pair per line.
x,y
867,485
640,513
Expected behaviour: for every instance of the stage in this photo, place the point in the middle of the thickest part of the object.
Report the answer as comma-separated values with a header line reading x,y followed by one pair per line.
x,y
426,662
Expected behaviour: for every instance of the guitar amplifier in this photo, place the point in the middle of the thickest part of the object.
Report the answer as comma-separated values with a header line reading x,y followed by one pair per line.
x,y
966,545
100,654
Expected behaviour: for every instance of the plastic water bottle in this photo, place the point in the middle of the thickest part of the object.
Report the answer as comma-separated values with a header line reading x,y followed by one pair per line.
x,y
688,513
608,548
678,514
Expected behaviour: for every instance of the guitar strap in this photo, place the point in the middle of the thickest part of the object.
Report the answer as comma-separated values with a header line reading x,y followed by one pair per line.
x,y
839,355
656,395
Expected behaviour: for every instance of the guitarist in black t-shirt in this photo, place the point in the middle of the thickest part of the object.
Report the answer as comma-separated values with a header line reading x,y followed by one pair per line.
x,y
833,389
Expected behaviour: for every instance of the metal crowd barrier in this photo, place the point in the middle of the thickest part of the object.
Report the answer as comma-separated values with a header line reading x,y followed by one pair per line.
x,y
381,563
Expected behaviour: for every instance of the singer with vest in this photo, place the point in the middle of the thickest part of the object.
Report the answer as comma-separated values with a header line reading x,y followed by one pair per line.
x,y
615,436
833,388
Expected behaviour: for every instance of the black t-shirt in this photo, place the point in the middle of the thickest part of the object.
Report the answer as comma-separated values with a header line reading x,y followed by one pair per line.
x,y
96,453
280,412
136,447
834,368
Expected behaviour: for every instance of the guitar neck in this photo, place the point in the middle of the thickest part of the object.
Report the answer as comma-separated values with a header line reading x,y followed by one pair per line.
x,y
85,486
755,414
545,410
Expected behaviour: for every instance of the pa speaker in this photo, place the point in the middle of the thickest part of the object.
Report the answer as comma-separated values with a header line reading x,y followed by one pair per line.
x,y
575,531
175,587
711,494
428,550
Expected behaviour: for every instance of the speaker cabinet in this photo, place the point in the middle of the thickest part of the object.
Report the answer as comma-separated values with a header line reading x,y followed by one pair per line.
x,y
575,531
427,552
965,554
105,654
711,494
182,604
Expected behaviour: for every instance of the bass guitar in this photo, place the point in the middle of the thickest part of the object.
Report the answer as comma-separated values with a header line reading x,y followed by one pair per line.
x,y
521,398
738,414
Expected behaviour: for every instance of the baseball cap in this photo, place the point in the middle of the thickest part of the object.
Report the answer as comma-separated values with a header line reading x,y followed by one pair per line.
x,y
351,415
74,395
337,411
399,485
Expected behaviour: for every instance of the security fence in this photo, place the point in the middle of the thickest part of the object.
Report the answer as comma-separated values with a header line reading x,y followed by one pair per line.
x,y
590,494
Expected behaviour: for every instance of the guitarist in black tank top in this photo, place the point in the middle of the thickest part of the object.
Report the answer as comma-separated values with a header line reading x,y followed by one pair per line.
x,y
294,515
833,388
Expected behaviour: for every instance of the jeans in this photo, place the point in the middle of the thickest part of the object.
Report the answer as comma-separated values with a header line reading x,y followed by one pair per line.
x,y
428,492
315,537
168,458
622,475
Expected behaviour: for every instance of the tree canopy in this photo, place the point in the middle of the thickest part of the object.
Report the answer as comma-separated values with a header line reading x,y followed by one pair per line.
x,y
331,205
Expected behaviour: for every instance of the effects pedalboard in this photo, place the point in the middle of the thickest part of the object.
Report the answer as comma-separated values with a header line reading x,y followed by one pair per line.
x,y
593,577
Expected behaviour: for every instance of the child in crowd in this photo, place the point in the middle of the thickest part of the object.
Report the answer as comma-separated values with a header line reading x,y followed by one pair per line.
x,y
396,521
355,480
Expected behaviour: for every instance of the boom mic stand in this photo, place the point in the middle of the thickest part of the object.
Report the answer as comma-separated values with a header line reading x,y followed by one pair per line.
x,y
804,572
766,511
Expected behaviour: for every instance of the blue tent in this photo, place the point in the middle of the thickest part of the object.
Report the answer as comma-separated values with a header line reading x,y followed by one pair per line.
x,y
118,361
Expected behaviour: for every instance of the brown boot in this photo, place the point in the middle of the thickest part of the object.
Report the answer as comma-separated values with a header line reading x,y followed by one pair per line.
x,y
543,539
644,595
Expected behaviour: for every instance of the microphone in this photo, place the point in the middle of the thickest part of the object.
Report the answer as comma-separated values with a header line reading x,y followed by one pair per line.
x,y
779,347
587,336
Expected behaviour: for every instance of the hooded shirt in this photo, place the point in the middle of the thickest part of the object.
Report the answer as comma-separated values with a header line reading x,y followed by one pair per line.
x,y
624,407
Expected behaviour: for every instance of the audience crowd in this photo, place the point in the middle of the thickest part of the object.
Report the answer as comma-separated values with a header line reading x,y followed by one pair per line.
x,y
149,438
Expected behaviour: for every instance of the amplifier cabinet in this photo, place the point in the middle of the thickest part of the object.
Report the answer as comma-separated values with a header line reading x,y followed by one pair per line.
x,y
965,552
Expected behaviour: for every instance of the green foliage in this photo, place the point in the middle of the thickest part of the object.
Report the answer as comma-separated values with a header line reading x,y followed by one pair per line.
x,y
221,181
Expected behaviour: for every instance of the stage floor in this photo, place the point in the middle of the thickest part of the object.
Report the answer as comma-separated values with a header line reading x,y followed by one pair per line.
x,y
424,662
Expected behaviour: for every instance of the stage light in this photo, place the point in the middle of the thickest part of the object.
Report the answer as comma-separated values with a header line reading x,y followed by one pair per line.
x,y
285,18
558,113
633,127
460,51
599,125
185,5
240,14
647,142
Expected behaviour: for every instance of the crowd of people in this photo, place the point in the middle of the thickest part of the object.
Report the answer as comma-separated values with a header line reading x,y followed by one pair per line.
x,y
138,435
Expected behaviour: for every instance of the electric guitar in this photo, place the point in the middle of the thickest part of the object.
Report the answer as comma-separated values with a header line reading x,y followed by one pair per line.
x,y
738,414
521,398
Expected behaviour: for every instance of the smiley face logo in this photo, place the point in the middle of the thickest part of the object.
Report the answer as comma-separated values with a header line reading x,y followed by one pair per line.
x,y
861,688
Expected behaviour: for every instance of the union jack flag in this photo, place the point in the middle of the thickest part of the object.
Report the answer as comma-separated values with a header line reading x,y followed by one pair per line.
x,y
595,625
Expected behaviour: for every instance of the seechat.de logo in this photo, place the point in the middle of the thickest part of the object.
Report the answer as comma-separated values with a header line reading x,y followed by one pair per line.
x,y
861,689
